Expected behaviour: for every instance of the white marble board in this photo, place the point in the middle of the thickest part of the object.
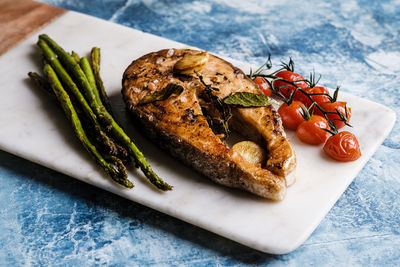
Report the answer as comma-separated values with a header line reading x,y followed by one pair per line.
x,y
33,127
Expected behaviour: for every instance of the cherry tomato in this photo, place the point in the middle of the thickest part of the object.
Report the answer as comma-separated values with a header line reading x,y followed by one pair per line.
x,y
310,131
291,115
263,85
319,99
343,147
332,107
289,76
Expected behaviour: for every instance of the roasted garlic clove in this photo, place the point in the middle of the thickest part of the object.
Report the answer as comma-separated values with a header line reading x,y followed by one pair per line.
x,y
188,64
251,152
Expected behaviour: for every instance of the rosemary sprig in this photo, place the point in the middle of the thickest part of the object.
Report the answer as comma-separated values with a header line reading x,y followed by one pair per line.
x,y
219,104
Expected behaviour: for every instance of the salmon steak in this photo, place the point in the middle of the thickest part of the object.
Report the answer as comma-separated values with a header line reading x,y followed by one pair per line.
x,y
186,123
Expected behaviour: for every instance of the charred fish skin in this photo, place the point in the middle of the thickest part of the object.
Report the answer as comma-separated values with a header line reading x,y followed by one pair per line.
x,y
178,125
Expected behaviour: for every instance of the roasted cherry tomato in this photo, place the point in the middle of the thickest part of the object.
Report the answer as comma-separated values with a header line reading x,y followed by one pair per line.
x,y
263,85
291,115
343,147
332,107
311,131
288,76
319,99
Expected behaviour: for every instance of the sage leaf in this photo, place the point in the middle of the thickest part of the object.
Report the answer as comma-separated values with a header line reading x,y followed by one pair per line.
x,y
168,90
246,99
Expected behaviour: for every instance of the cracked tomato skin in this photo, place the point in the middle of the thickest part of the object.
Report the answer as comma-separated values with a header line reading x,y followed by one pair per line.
x,y
311,131
291,115
263,85
286,88
343,147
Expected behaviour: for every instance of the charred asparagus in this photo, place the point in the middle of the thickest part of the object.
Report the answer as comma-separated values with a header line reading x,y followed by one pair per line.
x,y
101,112
115,169
83,83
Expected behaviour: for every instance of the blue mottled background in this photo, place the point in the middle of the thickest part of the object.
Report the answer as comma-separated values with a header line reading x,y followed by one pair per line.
x,y
47,218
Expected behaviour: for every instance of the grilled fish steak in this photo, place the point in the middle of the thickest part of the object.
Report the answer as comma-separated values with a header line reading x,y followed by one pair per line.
x,y
178,123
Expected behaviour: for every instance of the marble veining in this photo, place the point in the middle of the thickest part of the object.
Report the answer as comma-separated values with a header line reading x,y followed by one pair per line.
x,y
50,219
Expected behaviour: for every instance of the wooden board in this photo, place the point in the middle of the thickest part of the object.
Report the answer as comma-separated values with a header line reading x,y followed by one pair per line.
x,y
20,18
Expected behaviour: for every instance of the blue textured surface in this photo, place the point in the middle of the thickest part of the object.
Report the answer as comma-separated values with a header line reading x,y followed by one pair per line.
x,y
50,219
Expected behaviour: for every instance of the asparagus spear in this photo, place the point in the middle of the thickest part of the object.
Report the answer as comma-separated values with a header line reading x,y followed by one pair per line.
x,y
43,84
75,56
40,82
85,66
95,61
118,174
101,112
101,136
